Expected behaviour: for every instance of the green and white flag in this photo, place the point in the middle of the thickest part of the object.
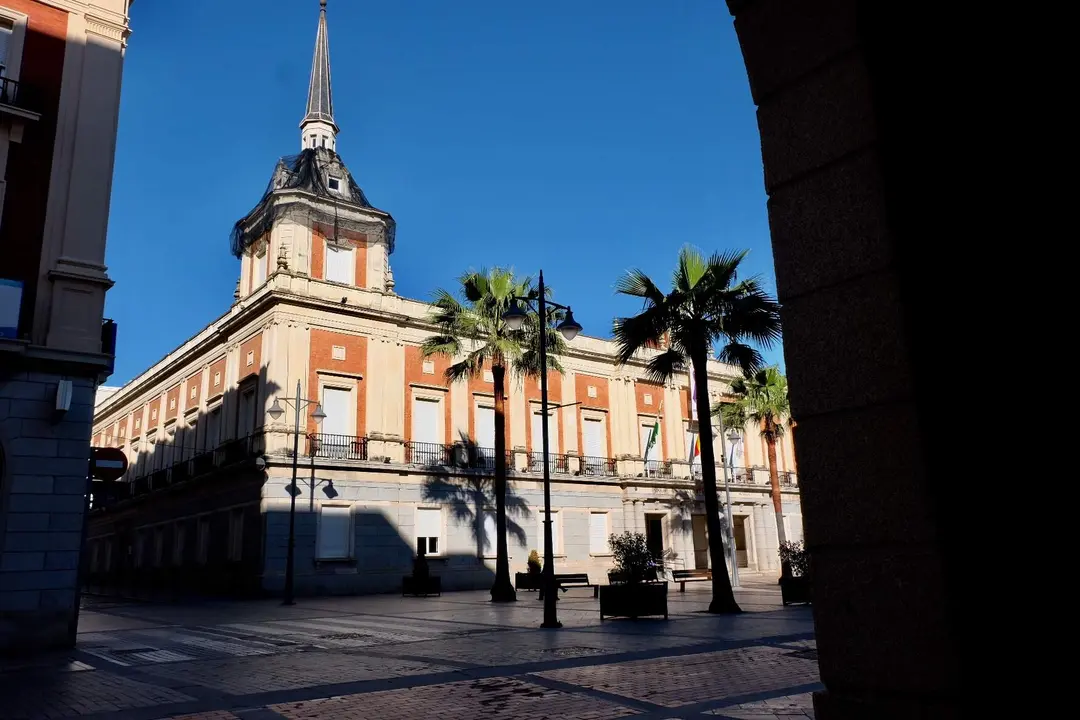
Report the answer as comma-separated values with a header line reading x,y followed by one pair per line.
x,y
655,434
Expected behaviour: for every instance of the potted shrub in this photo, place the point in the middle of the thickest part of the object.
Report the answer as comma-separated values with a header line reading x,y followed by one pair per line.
x,y
530,580
795,588
631,594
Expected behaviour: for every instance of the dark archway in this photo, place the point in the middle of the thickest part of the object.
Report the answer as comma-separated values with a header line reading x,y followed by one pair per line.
x,y
853,159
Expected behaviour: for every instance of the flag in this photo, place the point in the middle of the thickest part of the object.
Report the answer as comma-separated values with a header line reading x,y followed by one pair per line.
x,y
695,450
652,438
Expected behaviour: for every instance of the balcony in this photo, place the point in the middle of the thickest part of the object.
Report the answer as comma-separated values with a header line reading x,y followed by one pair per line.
x,y
337,447
658,469
556,463
429,454
598,466
163,472
16,101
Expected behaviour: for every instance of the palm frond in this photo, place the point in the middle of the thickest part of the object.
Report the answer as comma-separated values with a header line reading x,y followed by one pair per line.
x,y
747,358
690,269
640,331
446,345
636,283
665,365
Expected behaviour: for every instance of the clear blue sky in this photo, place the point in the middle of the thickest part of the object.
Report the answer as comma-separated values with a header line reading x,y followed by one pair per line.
x,y
584,138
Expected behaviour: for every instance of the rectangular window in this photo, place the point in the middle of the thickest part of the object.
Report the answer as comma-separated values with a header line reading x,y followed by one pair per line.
x,y
213,428
333,183
260,269
593,438
485,427
335,533
245,418
236,535
556,532
202,541
425,420
7,30
179,535
491,534
428,531
339,264
598,534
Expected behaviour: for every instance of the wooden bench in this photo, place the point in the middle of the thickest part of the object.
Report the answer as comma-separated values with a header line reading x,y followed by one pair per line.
x,y
569,580
417,586
684,576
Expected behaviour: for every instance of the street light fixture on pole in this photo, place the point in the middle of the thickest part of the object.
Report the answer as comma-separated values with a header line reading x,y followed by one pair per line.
x,y
727,503
275,412
515,318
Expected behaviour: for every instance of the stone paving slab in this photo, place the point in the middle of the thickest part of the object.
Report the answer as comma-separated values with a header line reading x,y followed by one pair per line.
x,y
504,698
77,693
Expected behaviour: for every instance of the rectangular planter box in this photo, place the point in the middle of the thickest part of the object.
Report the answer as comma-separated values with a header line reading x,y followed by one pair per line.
x,y
795,590
633,601
527,581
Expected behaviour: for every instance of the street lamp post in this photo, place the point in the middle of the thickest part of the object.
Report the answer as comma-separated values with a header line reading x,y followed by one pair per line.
x,y
515,320
727,505
275,412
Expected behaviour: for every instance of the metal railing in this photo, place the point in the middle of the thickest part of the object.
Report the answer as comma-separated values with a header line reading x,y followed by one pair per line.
x,y
337,447
557,463
423,453
658,468
598,466
9,92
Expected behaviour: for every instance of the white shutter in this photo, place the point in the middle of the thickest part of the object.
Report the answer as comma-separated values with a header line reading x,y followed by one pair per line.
x,y
491,534
339,264
598,534
335,524
553,433
260,271
593,432
537,433
429,525
485,427
425,420
336,405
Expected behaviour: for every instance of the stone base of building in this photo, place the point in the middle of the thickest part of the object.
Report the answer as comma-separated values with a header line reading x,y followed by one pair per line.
x,y
44,460
34,631
833,706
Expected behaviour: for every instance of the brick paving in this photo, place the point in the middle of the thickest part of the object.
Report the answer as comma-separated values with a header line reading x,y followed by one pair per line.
x,y
454,657
494,697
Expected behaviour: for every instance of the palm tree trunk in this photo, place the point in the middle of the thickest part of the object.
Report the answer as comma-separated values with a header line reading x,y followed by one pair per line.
x,y
503,589
774,485
723,599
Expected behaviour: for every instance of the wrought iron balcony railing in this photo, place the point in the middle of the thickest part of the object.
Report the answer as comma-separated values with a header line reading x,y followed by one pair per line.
x,y
598,466
429,454
557,463
658,468
337,447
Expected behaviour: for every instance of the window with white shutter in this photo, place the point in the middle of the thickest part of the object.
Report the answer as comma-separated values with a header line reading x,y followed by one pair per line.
x,y
335,533
428,531
491,534
425,420
7,30
598,533
556,532
339,264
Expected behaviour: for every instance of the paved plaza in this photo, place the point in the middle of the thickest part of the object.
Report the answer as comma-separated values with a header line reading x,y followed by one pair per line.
x,y
454,658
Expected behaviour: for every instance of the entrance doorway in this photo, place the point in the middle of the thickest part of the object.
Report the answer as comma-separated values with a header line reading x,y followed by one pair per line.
x,y
701,543
741,556
654,535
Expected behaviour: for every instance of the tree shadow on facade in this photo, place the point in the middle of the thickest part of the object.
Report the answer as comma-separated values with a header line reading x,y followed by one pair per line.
x,y
470,497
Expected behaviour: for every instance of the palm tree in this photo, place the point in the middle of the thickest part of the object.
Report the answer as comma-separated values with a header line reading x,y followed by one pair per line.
x,y
471,332
706,306
762,400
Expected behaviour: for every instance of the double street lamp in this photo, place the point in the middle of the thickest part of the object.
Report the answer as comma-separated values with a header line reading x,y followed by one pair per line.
x,y
515,318
275,412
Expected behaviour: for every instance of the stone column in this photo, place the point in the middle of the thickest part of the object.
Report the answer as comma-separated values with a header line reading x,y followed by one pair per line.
x,y
854,214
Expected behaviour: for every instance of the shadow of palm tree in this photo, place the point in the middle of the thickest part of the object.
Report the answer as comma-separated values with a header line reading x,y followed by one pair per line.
x,y
467,497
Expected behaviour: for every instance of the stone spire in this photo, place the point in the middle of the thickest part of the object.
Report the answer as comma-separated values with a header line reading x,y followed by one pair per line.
x,y
318,128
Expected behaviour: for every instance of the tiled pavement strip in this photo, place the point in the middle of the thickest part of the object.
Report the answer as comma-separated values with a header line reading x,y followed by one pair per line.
x,y
455,657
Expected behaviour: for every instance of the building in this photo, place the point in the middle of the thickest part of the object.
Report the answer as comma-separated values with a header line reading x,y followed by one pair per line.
x,y
402,459
60,71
